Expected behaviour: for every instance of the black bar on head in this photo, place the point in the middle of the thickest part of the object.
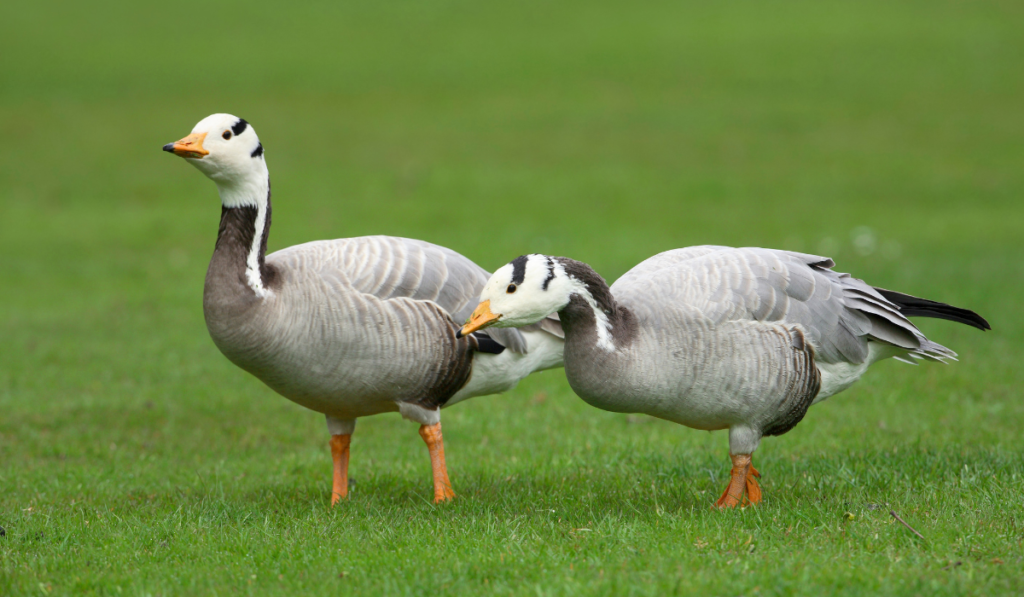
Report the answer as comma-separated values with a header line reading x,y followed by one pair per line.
x,y
519,269
551,273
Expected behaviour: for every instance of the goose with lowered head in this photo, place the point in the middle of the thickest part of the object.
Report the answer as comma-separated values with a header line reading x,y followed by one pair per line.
x,y
715,337
350,327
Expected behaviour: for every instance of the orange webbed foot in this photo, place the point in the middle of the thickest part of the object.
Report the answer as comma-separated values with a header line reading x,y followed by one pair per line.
x,y
743,488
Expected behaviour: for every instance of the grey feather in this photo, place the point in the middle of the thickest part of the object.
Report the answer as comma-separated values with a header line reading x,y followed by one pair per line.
x,y
390,267
839,313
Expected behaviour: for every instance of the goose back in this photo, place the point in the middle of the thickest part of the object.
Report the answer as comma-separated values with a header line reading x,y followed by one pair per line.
x,y
840,314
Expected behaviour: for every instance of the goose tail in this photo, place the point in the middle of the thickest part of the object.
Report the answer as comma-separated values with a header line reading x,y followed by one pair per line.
x,y
912,306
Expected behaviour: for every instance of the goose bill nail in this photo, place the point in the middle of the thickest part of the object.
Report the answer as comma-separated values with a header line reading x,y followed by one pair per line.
x,y
481,318
190,147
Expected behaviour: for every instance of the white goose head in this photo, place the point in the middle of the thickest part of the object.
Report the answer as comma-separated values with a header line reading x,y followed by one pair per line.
x,y
522,292
226,149
532,287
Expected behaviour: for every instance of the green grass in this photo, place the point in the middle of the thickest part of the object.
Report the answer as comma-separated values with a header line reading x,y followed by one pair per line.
x,y
135,459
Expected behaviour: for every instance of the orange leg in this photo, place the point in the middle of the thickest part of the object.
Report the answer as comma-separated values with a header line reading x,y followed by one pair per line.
x,y
339,452
743,480
442,486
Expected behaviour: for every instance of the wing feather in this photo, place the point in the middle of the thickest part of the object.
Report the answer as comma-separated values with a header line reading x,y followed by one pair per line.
x,y
839,313
390,267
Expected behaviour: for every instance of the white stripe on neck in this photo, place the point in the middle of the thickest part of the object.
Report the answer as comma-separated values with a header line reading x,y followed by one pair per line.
x,y
252,262
603,324
251,194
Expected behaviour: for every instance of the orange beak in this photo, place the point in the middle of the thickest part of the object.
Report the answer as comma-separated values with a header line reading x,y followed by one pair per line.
x,y
481,318
189,147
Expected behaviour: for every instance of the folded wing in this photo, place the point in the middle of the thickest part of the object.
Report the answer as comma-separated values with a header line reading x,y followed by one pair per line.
x,y
390,267
839,313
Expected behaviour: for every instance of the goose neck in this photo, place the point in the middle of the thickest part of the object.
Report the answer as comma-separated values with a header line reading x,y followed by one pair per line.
x,y
592,313
244,229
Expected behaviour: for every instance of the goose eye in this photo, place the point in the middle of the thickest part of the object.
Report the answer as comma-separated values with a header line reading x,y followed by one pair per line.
x,y
511,288
226,135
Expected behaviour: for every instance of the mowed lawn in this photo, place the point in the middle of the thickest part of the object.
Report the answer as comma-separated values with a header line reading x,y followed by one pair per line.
x,y
136,460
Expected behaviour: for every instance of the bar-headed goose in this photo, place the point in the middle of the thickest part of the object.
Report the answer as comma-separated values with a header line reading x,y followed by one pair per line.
x,y
715,337
350,327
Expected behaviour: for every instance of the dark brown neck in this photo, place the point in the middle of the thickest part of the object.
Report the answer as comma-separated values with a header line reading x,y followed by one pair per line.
x,y
228,275
582,316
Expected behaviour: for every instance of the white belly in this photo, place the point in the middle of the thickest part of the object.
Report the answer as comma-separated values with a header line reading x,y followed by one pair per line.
x,y
497,373
836,377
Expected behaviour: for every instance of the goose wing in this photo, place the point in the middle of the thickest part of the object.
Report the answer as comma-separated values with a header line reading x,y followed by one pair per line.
x,y
838,312
390,267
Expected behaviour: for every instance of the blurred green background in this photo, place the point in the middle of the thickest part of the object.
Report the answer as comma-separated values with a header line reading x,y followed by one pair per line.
x,y
135,458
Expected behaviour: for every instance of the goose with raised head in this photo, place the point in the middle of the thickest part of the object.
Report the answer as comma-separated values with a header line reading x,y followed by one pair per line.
x,y
715,337
350,327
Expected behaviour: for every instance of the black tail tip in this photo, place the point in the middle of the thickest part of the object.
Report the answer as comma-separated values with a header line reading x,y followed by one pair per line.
x,y
912,306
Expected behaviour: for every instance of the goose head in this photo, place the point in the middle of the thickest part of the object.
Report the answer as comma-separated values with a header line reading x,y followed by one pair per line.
x,y
522,292
226,149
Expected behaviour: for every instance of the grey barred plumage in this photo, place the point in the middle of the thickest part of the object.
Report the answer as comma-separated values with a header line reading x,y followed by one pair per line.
x,y
840,313
801,390
377,296
717,338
